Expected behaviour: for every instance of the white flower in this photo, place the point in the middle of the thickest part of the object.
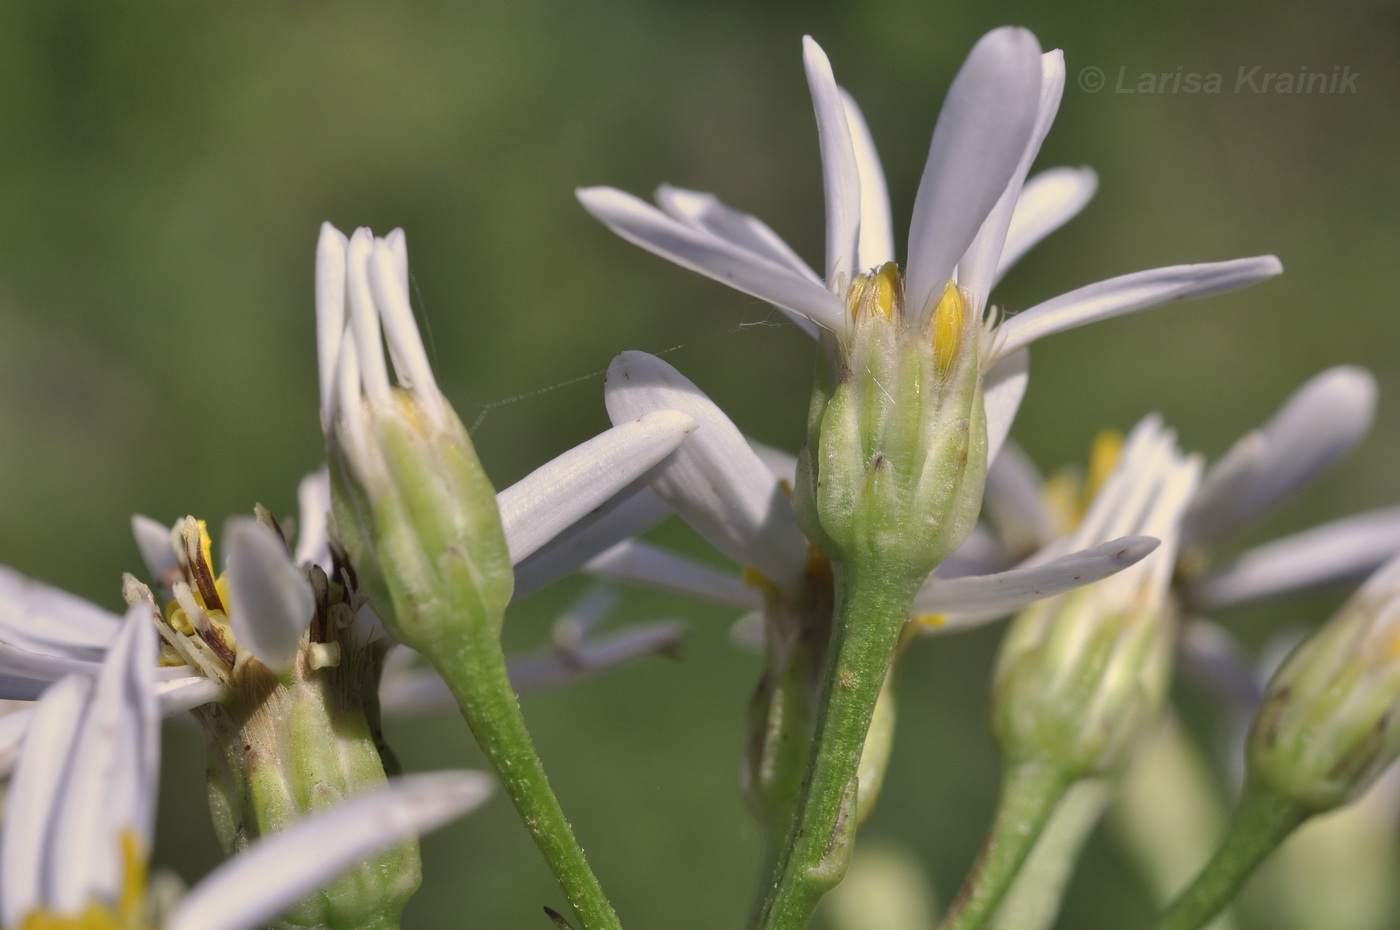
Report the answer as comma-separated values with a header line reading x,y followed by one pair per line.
x,y
79,817
973,216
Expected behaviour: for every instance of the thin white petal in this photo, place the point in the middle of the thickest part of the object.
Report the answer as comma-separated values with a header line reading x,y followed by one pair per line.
x,y
633,510
42,619
1008,590
390,290
876,244
367,345
977,267
14,726
1128,293
330,309
272,601
981,135
182,694
1003,387
1320,423
707,213
314,520
1015,501
1341,549
1048,201
840,176
640,563
556,495
714,481
157,551
277,871
26,855
642,224
110,791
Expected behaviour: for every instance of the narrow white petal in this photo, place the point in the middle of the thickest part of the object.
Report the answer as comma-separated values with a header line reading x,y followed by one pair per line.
x,y
43,619
368,344
1320,423
314,520
876,243
182,694
110,791
1047,201
642,224
1015,501
982,130
272,601
1003,387
390,289
14,726
275,872
707,213
1128,293
780,462
1008,590
26,854
157,551
640,563
1342,549
330,310
556,495
977,267
840,175
633,510
715,481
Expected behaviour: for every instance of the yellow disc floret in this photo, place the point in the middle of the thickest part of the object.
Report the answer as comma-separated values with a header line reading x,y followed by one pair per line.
x,y
949,321
877,294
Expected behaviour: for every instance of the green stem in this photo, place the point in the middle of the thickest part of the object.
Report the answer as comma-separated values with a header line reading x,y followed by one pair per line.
x,y
1029,795
871,607
474,668
1034,900
1262,820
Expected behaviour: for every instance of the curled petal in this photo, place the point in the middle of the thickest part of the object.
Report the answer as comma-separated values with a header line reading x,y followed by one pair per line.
x,y
558,494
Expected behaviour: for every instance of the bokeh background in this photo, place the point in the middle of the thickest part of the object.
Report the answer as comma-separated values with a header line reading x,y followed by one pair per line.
x,y
164,168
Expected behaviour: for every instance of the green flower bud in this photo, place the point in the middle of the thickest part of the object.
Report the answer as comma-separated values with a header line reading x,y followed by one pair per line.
x,y
1329,724
896,448
1082,676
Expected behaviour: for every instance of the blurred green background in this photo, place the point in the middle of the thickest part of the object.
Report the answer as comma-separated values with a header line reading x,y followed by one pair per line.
x,y
164,168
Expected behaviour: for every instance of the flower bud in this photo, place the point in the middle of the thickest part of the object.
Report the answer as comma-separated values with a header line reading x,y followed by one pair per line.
x,y
1329,725
897,445
412,505
1081,676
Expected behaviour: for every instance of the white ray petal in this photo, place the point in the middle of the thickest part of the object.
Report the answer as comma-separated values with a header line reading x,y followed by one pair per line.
x,y
640,563
1003,592
977,267
314,520
982,130
1048,201
157,551
1003,387
1128,293
707,213
27,859
277,871
558,494
1341,549
182,694
876,242
840,175
110,791
331,250
390,289
642,224
42,619
14,726
1015,501
633,510
271,598
368,343
1320,423
715,480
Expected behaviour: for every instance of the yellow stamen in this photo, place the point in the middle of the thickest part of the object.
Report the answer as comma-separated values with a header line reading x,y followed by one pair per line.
x,y
878,292
949,321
